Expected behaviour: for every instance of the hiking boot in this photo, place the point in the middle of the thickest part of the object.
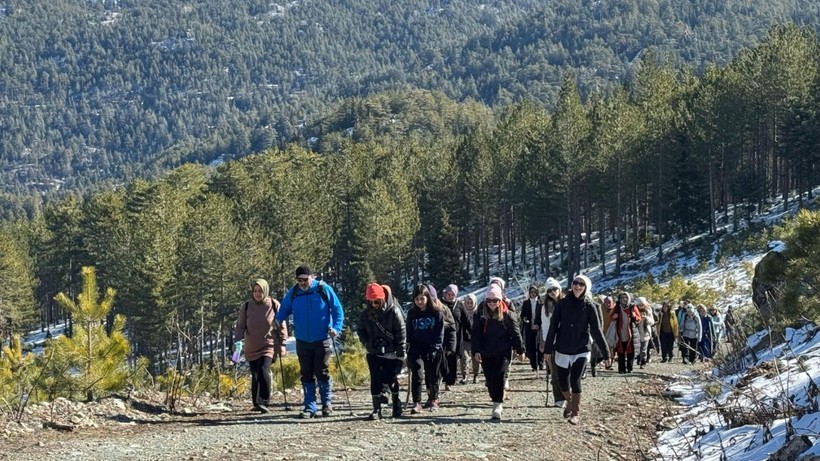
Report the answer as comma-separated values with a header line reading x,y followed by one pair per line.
x,y
376,414
497,409
575,403
307,414
568,406
397,408
475,379
327,410
416,409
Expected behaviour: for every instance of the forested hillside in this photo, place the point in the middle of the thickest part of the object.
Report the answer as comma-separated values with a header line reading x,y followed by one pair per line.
x,y
107,91
425,188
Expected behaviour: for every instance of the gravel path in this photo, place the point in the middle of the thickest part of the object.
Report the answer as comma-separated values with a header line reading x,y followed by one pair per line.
x,y
618,414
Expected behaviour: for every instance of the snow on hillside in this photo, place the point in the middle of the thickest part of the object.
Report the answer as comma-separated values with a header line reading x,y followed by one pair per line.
x,y
731,426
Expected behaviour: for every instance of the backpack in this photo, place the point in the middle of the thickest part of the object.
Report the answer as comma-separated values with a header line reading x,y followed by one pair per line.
x,y
322,293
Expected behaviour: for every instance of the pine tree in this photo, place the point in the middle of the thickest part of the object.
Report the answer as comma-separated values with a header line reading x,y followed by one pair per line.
x,y
99,358
443,253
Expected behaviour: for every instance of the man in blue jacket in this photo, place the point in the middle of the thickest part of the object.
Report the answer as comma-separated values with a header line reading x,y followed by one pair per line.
x,y
317,319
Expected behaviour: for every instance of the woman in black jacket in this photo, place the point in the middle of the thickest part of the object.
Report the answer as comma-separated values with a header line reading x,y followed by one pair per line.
x,y
574,319
381,330
495,335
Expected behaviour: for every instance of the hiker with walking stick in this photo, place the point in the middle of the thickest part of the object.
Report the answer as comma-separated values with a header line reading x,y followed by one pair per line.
x,y
263,340
381,330
317,319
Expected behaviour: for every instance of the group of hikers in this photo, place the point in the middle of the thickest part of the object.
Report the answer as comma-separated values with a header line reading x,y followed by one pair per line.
x,y
450,339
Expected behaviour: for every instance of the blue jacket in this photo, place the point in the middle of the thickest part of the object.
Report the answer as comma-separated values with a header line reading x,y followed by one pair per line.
x,y
311,314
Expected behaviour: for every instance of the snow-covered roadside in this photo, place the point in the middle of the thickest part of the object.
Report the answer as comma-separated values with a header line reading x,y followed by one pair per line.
x,y
755,413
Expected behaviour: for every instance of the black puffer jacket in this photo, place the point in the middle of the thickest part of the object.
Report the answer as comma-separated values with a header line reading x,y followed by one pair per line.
x,y
572,323
384,328
496,338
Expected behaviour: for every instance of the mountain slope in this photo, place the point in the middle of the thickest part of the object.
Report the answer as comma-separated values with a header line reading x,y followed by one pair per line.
x,y
95,91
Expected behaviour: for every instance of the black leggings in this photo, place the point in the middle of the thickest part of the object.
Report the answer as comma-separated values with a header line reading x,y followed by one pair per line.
x,y
260,380
571,377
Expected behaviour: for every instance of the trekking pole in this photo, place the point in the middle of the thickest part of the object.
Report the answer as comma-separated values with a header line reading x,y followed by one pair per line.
x,y
341,372
284,391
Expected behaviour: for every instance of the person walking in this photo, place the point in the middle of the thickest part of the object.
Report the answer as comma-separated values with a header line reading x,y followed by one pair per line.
x,y
496,335
425,351
691,331
454,307
554,295
530,324
574,320
263,340
625,315
317,319
466,324
644,327
381,330
667,327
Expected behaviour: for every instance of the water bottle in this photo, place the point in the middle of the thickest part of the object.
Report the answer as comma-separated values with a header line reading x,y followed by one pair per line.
x,y
237,351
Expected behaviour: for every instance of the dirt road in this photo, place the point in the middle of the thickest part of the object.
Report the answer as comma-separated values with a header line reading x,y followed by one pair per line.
x,y
619,413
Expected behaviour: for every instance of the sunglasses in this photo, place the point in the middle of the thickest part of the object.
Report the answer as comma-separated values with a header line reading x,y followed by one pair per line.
x,y
375,302
493,301
551,290
578,283
302,279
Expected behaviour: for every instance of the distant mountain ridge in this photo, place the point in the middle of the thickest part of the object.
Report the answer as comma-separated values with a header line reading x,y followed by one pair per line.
x,y
95,92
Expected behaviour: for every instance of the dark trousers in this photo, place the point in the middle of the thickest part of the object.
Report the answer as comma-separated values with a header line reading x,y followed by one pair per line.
x,y
667,345
383,374
494,368
705,348
427,368
536,358
570,378
314,360
625,359
260,380
691,349
450,369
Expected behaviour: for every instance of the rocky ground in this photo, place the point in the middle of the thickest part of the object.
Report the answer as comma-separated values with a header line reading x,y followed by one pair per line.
x,y
620,414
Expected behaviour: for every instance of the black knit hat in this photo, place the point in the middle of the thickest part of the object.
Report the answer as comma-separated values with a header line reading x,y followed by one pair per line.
x,y
303,270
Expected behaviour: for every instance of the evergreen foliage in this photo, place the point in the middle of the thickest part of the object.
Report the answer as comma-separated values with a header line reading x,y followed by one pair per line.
x,y
801,274
96,358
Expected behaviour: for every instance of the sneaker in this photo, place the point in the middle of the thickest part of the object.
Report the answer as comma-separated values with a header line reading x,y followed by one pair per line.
x,y
263,408
475,379
497,409
463,381
434,405
560,403
307,414
327,410
416,409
